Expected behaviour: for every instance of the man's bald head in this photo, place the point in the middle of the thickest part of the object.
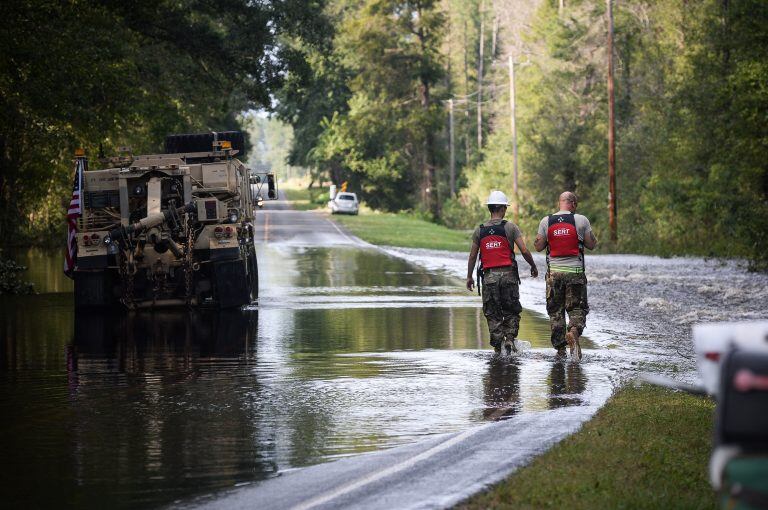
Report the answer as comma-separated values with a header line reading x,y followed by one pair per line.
x,y
568,201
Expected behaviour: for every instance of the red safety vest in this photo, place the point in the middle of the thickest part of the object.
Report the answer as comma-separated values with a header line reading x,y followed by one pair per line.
x,y
562,238
495,249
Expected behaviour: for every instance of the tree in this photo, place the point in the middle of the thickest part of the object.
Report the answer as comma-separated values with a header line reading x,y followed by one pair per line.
x,y
383,138
124,73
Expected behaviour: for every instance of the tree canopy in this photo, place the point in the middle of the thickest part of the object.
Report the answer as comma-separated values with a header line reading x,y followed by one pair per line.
x,y
109,73
690,101
366,87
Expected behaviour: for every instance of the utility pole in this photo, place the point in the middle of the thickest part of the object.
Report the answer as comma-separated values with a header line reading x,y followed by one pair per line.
x,y
480,79
611,131
452,148
513,126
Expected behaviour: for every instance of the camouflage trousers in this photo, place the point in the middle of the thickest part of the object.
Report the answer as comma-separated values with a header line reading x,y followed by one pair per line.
x,y
566,292
501,305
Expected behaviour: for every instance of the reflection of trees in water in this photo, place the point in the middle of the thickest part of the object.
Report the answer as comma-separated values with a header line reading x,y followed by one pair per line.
x,y
388,329
502,388
338,267
567,382
164,401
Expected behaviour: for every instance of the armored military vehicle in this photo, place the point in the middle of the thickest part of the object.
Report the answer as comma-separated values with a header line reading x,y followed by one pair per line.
x,y
171,229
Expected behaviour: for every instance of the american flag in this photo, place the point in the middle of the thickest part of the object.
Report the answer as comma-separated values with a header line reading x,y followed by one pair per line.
x,y
73,213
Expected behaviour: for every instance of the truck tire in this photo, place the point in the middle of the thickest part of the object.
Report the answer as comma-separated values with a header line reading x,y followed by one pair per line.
x,y
230,283
253,275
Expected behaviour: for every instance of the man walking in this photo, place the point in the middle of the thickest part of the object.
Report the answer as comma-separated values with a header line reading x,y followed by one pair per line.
x,y
564,235
494,240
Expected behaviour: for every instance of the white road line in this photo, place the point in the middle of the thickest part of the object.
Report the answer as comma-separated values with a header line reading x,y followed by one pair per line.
x,y
342,232
366,480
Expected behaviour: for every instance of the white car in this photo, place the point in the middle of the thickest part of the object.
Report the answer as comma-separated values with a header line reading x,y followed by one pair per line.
x,y
344,203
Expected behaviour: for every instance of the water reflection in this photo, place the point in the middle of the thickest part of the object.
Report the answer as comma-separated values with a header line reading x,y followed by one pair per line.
x,y
150,407
350,351
45,268
567,382
138,340
502,388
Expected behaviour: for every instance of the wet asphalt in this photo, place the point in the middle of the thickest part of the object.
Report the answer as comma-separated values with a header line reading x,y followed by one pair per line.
x,y
532,400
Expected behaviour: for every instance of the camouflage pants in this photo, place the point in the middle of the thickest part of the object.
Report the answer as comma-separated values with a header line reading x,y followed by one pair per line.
x,y
566,292
501,305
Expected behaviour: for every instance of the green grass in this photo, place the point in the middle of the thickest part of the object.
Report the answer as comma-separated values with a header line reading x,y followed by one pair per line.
x,y
647,448
404,230
304,199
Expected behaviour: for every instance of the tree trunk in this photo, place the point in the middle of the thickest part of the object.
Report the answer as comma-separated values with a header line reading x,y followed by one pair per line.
x,y
429,186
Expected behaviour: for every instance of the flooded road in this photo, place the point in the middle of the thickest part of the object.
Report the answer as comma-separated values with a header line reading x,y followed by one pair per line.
x,y
350,350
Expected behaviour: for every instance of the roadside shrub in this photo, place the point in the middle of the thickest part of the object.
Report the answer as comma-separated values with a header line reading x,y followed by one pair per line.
x,y
10,279
463,213
320,198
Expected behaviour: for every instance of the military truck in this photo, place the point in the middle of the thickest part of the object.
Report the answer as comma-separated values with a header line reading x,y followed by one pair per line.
x,y
170,229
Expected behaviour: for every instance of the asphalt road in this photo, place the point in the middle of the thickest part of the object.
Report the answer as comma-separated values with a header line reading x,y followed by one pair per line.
x,y
434,473
278,223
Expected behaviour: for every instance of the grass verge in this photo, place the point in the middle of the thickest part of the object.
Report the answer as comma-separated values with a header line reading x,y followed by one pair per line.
x,y
391,229
647,448
303,199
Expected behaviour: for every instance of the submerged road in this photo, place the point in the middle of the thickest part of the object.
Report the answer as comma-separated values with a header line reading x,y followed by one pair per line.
x,y
363,378
429,401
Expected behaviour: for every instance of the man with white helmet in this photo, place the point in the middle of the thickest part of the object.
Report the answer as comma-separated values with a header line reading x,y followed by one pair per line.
x,y
494,241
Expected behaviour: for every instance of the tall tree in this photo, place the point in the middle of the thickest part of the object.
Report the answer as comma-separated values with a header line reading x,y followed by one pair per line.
x,y
383,139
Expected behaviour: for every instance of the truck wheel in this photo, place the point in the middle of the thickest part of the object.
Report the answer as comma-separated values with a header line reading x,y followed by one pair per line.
x,y
230,283
253,275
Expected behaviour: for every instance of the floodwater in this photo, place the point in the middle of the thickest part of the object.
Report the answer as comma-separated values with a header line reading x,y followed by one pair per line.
x,y
350,350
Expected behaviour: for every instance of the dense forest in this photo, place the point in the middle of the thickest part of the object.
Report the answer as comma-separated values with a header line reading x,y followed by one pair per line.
x,y
101,74
370,88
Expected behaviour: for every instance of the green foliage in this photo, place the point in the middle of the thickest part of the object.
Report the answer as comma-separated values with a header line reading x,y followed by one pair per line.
x,y
691,84
305,199
380,135
271,142
716,180
463,213
11,281
107,73
363,82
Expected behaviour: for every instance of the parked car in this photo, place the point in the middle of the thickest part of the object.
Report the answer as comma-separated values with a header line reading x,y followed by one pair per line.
x,y
344,203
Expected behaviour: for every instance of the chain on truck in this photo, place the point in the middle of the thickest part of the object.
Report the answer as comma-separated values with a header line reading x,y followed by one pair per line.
x,y
171,229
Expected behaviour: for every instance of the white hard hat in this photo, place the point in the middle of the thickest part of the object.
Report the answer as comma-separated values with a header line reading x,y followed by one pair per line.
x,y
497,198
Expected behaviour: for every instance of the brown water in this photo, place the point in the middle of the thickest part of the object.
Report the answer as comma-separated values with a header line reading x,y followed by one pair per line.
x,y
349,351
